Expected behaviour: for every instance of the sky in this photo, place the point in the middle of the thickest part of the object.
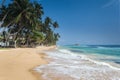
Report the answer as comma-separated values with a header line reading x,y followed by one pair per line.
x,y
85,21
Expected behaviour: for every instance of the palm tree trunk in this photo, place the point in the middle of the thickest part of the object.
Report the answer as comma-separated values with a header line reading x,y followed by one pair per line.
x,y
15,45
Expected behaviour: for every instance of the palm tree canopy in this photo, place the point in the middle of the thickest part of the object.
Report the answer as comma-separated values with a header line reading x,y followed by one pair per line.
x,y
24,19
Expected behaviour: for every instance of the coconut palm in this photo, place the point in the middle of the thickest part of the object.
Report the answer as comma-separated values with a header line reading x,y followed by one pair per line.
x,y
22,14
24,20
55,25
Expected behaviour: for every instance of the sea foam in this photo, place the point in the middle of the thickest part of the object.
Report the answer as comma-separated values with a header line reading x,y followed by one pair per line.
x,y
86,58
76,67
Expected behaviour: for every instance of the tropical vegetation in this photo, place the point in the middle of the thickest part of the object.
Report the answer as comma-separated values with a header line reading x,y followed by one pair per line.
x,y
22,25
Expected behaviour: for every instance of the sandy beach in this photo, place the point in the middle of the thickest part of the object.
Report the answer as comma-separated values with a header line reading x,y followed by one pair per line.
x,y
18,64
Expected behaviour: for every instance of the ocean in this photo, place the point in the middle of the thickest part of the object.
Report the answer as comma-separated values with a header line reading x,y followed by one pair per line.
x,y
82,62
104,53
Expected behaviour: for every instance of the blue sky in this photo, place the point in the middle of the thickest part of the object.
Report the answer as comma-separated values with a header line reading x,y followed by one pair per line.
x,y
85,21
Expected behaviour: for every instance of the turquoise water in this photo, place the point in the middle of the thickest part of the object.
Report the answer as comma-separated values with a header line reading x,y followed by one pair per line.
x,y
108,53
93,62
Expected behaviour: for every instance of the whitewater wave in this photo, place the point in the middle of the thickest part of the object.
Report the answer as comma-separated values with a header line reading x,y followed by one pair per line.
x,y
67,65
99,47
84,57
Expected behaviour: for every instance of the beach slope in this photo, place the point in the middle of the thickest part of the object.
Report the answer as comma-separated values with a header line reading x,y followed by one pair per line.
x,y
17,64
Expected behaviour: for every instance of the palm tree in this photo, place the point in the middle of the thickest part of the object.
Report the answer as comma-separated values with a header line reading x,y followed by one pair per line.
x,y
22,14
24,20
55,25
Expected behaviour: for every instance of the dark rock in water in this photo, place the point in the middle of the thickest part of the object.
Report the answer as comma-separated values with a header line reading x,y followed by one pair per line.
x,y
76,44
117,62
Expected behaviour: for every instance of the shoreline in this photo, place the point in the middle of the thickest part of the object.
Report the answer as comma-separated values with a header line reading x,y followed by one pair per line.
x,y
65,63
18,64
33,63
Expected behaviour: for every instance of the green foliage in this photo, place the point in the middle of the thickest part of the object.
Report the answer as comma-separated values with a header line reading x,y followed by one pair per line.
x,y
24,21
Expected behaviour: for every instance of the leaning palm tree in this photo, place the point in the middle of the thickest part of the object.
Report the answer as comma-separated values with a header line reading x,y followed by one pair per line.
x,y
3,15
23,14
23,20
